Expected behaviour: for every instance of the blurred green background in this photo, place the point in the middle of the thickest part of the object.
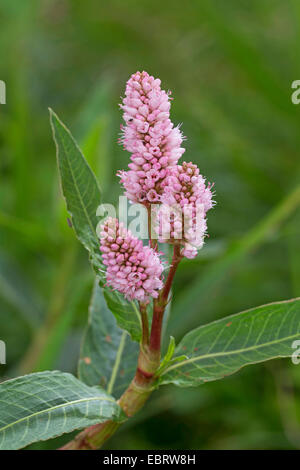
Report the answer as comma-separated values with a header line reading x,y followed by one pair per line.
x,y
230,65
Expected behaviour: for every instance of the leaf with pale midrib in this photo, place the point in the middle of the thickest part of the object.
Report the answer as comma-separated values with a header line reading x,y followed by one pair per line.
x,y
82,194
44,405
108,357
225,346
79,185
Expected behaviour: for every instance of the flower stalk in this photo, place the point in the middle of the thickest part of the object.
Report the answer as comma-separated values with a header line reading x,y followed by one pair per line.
x,y
143,383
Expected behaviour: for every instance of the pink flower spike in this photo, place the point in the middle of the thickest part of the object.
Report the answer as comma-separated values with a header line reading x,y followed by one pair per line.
x,y
131,268
150,136
185,192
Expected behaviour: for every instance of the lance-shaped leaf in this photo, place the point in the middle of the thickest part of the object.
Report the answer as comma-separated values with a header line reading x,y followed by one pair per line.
x,y
225,346
108,357
79,185
82,194
47,404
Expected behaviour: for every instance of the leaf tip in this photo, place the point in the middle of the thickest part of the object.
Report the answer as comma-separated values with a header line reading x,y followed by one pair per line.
x,y
51,113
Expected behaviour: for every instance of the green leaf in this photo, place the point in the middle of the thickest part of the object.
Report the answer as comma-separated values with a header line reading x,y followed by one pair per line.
x,y
225,346
47,404
80,187
108,357
126,313
167,358
82,194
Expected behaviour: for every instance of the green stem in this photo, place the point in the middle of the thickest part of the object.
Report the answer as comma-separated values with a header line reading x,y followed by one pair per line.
x,y
93,437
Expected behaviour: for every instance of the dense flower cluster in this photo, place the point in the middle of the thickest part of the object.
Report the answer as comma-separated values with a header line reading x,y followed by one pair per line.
x,y
180,196
185,192
151,138
131,268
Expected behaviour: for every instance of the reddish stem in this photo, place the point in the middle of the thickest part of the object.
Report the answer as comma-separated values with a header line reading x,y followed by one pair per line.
x,y
145,323
177,257
155,338
141,387
161,302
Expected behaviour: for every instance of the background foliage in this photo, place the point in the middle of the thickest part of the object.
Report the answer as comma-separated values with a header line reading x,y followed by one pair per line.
x,y
230,66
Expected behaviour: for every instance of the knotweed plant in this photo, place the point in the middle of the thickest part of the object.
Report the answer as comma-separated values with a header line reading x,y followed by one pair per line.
x,y
125,357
